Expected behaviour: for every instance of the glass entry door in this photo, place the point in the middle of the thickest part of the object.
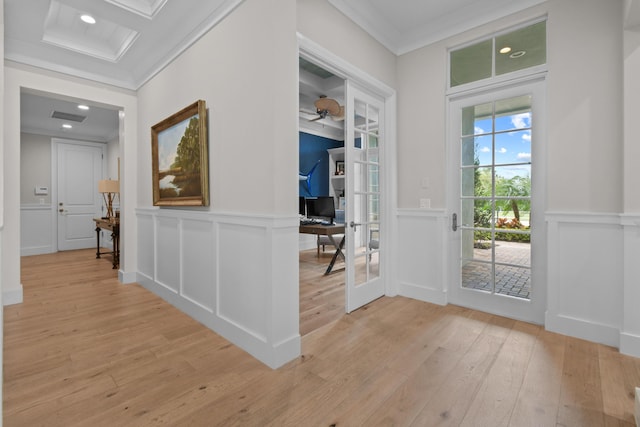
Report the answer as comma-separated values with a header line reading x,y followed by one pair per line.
x,y
494,147
364,213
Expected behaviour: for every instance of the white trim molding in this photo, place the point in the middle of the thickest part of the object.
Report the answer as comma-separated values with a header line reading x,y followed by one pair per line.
x,y
421,260
230,271
585,276
36,234
630,333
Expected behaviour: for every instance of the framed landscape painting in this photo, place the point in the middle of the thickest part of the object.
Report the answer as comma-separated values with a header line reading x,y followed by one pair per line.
x,y
180,158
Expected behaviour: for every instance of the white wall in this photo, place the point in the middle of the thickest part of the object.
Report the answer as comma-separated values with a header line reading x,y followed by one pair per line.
x,y
232,265
113,158
36,235
35,168
319,21
585,106
630,339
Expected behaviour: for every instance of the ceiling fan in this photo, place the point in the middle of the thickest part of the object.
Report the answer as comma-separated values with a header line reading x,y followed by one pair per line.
x,y
328,107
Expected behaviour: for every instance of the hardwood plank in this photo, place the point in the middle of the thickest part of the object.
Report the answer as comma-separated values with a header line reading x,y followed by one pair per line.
x,y
538,399
496,398
581,394
618,379
451,401
83,349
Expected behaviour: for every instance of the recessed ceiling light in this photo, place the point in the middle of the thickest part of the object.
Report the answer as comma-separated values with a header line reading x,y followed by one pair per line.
x,y
67,126
505,49
88,19
83,107
517,54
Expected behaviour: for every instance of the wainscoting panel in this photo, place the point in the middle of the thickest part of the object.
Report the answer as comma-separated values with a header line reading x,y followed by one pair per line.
x,y
168,266
585,276
146,245
421,255
197,261
235,273
36,235
630,334
243,254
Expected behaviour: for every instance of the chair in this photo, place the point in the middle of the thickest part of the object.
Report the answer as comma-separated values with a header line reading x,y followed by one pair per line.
x,y
324,240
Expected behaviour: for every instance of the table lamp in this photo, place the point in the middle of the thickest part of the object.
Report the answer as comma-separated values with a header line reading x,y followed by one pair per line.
x,y
109,189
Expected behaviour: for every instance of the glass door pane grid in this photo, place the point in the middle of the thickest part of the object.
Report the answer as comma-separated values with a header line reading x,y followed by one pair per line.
x,y
369,192
491,266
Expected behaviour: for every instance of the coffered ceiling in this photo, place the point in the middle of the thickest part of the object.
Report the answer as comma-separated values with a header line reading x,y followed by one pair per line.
x,y
127,43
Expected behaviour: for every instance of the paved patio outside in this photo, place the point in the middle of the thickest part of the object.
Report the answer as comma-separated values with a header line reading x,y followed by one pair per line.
x,y
512,281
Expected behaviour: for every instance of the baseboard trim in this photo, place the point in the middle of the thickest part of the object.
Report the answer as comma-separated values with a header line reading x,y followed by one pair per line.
x,y
127,277
13,296
583,329
630,344
37,250
422,294
272,355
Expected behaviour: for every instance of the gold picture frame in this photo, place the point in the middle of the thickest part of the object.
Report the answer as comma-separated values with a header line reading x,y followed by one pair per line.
x,y
180,158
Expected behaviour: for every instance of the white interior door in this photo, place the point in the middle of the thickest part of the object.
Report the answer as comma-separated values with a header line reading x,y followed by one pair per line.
x,y
79,168
364,214
497,159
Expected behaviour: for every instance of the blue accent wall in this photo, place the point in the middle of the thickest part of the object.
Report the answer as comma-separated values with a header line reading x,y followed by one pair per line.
x,y
312,149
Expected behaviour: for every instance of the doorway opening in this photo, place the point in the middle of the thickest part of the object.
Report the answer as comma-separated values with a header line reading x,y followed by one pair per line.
x,y
321,196
363,170
84,136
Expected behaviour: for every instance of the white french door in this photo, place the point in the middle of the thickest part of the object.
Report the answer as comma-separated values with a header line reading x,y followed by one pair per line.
x,y
78,169
365,138
496,145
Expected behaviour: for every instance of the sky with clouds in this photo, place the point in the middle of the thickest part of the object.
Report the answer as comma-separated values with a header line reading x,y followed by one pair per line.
x,y
512,143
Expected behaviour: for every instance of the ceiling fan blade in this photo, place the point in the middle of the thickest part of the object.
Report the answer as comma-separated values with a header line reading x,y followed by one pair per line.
x,y
329,105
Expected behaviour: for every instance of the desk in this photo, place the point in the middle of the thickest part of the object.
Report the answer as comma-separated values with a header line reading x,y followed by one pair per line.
x,y
329,231
114,227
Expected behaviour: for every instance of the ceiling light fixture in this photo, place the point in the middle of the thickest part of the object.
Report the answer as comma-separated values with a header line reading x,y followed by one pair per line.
x,y
505,49
88,19
67,126
83,107
518,54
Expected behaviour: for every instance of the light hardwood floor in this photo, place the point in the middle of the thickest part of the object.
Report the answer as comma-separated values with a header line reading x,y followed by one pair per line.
x,y
85,350
321,297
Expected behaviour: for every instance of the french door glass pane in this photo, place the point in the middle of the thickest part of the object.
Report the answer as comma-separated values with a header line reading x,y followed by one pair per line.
x,y
495,188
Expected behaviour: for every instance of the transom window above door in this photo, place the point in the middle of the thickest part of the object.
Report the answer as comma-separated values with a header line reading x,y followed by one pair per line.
x,y
501,54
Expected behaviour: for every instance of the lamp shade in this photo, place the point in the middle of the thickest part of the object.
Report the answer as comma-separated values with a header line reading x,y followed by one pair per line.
x,y
108,186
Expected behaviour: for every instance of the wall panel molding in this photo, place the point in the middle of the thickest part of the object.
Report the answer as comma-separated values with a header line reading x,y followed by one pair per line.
x,y
220,268
421,255
585,275
36,237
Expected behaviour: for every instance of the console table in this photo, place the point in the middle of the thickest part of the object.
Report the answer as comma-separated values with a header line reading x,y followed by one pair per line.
x,y
114,227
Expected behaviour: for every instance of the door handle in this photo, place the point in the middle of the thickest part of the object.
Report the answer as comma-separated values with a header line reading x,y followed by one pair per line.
x,y
454,222
354,225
